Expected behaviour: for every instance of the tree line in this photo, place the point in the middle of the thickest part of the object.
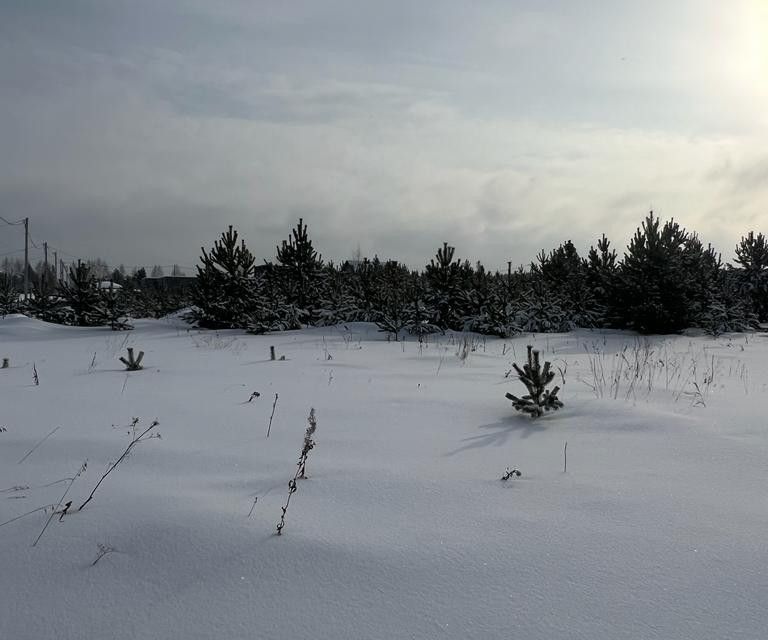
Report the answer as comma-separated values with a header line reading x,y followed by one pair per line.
x,y
666,280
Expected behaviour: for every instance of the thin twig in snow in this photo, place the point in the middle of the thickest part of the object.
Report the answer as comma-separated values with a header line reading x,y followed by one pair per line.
x,y
29,453
113,466
274,404
28,513
565,457
61,500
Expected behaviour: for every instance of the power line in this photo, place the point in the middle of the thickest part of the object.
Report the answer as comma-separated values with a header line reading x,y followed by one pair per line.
x,y
33,243
12,224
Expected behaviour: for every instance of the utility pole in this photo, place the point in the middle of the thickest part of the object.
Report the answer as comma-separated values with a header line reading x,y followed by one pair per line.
x,y
26,258
45,264
56,265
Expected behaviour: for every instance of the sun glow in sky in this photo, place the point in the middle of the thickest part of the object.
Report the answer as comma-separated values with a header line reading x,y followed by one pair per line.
x,y
746,50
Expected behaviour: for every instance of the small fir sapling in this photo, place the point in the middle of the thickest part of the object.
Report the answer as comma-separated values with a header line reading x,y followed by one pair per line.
x,y
536,378
301,465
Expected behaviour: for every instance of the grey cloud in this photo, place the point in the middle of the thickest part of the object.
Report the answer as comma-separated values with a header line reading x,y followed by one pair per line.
x,y
502,128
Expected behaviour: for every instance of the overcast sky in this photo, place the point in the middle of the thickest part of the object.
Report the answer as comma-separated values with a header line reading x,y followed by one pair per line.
x,y
137,130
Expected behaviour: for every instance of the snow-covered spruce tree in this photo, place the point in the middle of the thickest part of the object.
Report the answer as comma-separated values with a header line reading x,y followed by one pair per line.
x,y
539,311
156,304
420,318
9,298
337,303
46,305
752,258
365,285
225,294
601,269
300,269
656,288
396,290
114,307
475,286
81,296
536,379
443,276
273,310
726,310
497,316
562,279
703,268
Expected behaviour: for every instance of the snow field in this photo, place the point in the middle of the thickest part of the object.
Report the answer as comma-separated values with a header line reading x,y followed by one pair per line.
x,y
403,528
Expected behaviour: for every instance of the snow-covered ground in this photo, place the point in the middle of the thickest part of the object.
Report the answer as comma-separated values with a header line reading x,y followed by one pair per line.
x,y
403,529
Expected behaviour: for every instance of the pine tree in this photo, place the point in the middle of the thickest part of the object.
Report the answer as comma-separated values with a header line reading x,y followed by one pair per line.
x,y
396,290
601,270
726,310
497,317
81,296
9,298
46,305
752,258
421,318
538,311
365,285
702,269
114,306
653,284
300,269
226,293
561,276
443,275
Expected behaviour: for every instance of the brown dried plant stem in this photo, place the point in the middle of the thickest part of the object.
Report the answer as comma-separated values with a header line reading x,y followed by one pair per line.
x,y
309,444
81,471
274,404
113,466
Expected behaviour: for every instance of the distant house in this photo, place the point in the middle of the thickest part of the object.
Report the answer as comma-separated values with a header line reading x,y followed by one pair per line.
x,y
108,284
169,284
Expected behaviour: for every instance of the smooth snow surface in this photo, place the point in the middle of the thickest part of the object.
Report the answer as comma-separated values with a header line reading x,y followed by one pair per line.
x,y
403,528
